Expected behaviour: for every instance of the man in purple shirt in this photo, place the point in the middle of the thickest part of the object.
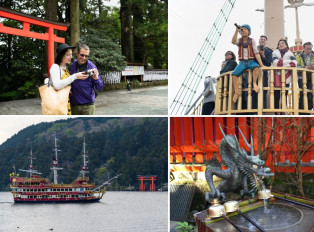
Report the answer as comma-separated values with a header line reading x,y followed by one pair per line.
x,y
83,91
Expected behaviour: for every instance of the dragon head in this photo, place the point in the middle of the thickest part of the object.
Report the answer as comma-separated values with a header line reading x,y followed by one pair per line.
x,y
253,164
248,163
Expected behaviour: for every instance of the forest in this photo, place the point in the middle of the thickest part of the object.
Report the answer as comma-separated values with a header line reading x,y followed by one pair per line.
x,y
131,146
134,31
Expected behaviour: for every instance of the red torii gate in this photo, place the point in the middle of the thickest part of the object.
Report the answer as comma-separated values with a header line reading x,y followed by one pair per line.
x,y
27,20
152,186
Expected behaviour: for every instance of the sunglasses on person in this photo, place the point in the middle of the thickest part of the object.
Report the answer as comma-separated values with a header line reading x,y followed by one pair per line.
x,y
228,53
82,55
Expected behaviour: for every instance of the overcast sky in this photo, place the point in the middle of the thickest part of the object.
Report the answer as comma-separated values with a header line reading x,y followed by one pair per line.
x,y
191,21
11,125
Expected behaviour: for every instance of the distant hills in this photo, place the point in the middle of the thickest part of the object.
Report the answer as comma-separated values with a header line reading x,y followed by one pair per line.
x,y
132,146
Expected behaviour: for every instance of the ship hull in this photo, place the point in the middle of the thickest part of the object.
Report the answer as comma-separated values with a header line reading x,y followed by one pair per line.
x,y
57,201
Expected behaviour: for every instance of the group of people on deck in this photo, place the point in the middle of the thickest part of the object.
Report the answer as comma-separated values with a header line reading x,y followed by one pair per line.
x,y
252,56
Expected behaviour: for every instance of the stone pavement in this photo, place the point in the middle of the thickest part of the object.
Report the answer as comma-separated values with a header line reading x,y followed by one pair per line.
x,y
143,101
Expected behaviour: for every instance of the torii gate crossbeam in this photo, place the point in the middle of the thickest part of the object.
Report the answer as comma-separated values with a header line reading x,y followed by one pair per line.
x,y
28,20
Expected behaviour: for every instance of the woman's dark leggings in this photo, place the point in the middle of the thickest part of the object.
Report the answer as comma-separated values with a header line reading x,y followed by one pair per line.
x,y
277,96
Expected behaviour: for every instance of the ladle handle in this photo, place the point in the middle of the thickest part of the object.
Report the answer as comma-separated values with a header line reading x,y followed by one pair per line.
x,y
250,220
232,223
295,202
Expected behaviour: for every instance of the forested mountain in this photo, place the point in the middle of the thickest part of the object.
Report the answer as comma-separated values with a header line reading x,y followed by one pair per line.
x,y
132,146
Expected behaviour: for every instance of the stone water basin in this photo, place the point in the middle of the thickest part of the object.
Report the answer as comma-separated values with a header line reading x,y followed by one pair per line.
x,y
280,216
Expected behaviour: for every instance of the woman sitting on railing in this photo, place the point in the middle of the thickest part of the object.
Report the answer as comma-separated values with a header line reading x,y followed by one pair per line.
x,y
282,57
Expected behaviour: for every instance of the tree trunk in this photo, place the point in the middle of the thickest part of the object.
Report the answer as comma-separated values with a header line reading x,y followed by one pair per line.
x,y
75,22
51,14
51,9
126,31
139,46
99,6
300,179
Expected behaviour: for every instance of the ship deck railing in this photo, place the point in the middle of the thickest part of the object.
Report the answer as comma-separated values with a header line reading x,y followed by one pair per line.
x,y
30,180
290,96
51,186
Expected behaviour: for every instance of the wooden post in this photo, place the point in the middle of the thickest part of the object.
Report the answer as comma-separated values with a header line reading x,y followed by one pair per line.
x,y
249,94
226,80
218,95
295,92
231,92
260,103
239,102
304,80
283,89
272,91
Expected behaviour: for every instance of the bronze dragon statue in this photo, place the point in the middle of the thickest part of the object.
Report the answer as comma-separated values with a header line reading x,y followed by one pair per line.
x,y
241,167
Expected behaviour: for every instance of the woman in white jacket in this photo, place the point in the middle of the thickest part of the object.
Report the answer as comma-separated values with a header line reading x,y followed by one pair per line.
x,y
282,57
59,74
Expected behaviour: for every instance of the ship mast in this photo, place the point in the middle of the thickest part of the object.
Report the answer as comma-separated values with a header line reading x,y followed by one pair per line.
x,y
31,169
55,164
84,168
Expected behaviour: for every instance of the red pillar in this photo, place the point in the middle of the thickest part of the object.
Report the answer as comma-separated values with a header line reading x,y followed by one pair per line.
x,y
152,186
50,48
142,186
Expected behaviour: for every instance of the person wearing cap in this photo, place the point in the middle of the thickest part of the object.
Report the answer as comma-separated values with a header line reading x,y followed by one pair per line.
x,y
83,91
59,74
248,52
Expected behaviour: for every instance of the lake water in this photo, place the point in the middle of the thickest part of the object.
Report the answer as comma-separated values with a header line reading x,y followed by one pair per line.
x,y
117,211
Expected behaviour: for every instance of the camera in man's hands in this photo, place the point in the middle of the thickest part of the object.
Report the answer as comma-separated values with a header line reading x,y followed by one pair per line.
x,y
261,48
90,72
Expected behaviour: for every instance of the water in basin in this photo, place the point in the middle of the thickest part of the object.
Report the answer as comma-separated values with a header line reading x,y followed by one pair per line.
x,y
277,216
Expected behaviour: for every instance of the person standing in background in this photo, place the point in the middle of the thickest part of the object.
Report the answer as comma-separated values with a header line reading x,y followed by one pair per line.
x,y
209,94
266,57
306,60
282,57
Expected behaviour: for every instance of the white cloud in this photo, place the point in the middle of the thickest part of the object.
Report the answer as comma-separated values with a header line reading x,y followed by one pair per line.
x,y
11,125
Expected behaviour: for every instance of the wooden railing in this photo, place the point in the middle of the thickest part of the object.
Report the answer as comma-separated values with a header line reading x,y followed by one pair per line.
x,y
289,102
